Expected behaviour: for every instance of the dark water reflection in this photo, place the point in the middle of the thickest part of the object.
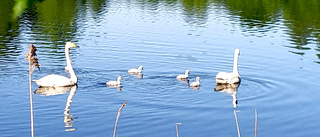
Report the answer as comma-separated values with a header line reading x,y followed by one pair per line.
x,y
280,55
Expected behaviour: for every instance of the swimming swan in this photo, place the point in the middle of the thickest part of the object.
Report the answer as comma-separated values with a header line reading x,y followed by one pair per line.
x,y
183,76
230,77
114,83
196,83
54,80
135,71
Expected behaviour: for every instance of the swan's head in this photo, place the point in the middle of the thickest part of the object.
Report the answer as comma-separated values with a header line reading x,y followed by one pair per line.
x,y
119,78
198,79
187,72
70,45
140,68
237,51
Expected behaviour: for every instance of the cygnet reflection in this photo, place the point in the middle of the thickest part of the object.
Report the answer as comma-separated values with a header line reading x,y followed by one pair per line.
x,y
138,75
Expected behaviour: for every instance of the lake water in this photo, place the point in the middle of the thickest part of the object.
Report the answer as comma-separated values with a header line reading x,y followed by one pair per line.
x,y
278,64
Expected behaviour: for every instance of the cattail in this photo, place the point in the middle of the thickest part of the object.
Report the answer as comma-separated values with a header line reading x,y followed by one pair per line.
x,y
33,61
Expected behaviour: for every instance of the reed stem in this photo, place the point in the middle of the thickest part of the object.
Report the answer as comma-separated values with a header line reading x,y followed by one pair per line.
x,y
31,103
238,128
256,123
33,62
177,128
118,115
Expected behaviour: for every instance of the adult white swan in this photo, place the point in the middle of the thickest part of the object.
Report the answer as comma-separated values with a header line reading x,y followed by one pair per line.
x,y
54,80
230,77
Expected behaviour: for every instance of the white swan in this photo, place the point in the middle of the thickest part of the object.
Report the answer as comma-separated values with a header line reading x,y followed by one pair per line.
x,y
183,76
135,71
196,83
54,80
114,83
230,77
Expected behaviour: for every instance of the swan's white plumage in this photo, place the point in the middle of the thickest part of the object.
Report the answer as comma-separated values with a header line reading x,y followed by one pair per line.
x,y
114,83
184,76
135,71
230,77
196,83
54,80
227,78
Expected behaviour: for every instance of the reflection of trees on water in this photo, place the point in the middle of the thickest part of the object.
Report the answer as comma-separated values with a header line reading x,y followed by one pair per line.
x,y
8,30
195,11
255,15
303,23
57,21
301,17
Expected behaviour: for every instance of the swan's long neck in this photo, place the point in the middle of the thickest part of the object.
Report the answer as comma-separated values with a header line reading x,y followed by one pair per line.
x,y
118,80
235,64
186,73
73,76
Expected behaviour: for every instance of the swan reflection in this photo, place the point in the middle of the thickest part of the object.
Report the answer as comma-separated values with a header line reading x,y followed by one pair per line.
x,y
184,81
230,89
138,75
119,87
48,91
195,88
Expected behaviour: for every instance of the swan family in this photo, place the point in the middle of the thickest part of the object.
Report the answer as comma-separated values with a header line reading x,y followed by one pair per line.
x,y
54,80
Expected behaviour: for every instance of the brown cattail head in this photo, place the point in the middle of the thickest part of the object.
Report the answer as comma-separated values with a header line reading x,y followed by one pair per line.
x,y
33,61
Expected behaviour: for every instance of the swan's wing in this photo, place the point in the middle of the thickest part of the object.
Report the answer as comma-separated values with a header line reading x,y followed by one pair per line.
x,y
54,81
133,71
195,84
181,76
112,83
225,77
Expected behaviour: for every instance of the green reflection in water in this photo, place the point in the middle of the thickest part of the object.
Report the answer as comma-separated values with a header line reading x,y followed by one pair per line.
x,y
196,11
303,20
255,13
20,6
55,20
